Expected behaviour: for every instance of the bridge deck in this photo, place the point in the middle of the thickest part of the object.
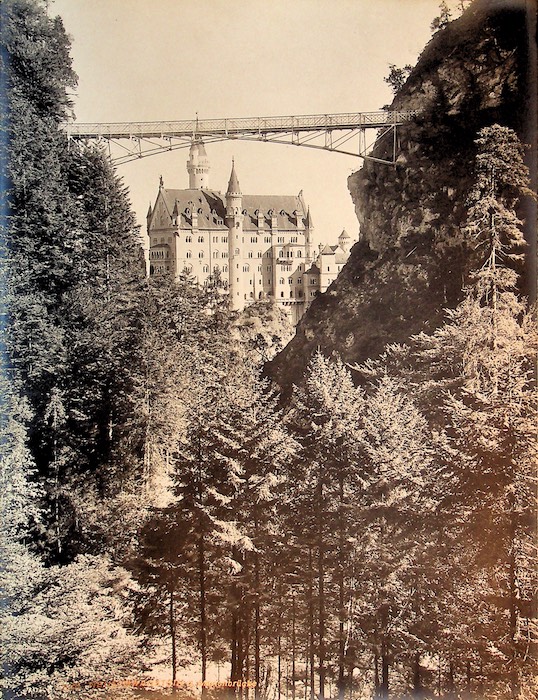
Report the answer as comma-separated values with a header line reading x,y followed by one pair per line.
x,y
239,126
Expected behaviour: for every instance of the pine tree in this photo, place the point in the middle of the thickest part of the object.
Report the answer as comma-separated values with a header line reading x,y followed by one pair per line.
x,y
326,416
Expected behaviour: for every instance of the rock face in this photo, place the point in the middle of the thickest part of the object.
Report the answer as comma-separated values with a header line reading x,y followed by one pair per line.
x,y
412,260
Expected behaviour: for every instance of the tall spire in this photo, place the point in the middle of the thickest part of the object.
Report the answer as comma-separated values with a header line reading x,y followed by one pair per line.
x,y
233,184
198,166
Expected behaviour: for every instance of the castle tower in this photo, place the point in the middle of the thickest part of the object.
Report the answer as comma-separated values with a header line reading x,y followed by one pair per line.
x,y
234,221
308,236
198,166
343,240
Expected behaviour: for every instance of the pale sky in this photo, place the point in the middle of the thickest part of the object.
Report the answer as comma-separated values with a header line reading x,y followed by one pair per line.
x,y
151,60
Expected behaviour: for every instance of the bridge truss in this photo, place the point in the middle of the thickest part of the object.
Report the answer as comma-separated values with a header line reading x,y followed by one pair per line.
x,y
331,132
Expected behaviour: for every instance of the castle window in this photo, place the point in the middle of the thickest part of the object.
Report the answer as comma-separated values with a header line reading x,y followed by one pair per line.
x,y
267,239
206,268
291,293
281,280
312,294
224,239
300,293
268,268
290,280
201,254
250,282
225,254
215,239
260,253
246,268
282,294
299,280
254,239
280,239
294,239
225,268
215,253
188,254
259,268
200,239
313,280
328,268
187,240
299,253
237,251
237,224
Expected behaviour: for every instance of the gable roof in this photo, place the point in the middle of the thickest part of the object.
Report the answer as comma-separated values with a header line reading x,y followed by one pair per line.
x,y
211,208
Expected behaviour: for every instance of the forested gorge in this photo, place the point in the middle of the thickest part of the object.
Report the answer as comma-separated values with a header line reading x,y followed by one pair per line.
x,y
163,508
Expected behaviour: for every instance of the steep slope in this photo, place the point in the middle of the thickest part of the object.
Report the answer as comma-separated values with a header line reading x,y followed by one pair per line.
x,y
412,261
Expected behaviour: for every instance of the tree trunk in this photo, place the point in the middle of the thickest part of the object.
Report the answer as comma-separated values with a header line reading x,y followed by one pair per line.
x,y
311,623
341,592
293,647
377,684
172,625
384,670
203,620
417,685
321,587
469,677
257,615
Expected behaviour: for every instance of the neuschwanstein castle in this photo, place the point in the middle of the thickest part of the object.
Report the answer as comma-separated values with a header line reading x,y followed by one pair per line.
x,y
254,246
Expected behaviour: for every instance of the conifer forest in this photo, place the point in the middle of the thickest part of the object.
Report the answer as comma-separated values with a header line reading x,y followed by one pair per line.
x,y
167,514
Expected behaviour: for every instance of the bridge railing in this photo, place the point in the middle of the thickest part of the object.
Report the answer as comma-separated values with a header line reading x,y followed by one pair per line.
x,y
240,125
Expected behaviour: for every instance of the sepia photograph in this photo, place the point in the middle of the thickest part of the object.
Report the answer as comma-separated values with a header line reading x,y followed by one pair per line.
x,y
269,344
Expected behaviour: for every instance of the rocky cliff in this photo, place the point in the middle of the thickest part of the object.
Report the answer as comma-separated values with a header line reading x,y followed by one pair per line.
x,y
412,261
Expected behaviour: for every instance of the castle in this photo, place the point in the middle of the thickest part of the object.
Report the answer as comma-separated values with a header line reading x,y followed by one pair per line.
x,y
252,246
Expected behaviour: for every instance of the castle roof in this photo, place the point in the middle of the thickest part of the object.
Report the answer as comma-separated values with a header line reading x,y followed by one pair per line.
x,y
211,208
329,250
344,234
233,184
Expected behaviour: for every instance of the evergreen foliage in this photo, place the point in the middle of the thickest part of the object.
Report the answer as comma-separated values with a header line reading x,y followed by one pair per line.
x,y
154,495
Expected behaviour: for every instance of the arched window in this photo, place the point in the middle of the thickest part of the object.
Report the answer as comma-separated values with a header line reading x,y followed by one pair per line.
x,y
200,239
281,280
299,253
188,239
215,253
206,268
201,254
188,254
246,268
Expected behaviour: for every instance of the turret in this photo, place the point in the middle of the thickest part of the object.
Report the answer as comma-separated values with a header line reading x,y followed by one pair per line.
x,y
234,221
198,166
343,240
308,236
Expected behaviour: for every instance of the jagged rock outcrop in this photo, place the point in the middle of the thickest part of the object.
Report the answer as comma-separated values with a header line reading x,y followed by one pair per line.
x,y
412,260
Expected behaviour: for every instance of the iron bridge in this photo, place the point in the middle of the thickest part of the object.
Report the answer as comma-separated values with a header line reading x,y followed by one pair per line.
x,y
330,132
